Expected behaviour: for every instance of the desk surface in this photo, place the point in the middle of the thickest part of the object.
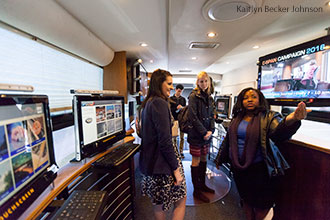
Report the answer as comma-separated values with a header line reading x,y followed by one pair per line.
x,y
64,177
315,135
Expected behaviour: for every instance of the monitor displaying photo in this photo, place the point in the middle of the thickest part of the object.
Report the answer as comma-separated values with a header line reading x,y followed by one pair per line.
x,y
26,149
99,121
222,106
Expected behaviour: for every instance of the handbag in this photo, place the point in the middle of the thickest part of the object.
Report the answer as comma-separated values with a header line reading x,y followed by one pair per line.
x,y
275,161
223,153
175,129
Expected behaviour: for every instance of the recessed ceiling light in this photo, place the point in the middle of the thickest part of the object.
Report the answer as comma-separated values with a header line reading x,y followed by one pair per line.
x,y
194,58
227,62
139,60
328,3
151,61
143,44
255,47
211,34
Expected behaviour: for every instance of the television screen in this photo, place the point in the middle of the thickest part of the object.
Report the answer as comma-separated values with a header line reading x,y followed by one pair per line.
x,y
222,105
300,72
26,150
99,122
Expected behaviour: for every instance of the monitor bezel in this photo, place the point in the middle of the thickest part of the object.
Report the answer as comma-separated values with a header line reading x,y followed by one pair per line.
x,y
32,190
88,150
226,100
312,102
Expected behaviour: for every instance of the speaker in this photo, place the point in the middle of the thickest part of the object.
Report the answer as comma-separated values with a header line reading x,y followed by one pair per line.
x,y
135,79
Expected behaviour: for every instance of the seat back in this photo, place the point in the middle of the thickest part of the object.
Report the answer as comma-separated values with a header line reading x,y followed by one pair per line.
x,y
314,77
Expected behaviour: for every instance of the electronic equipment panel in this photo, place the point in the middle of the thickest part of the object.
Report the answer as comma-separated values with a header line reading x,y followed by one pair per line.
x,y
26,152
99,122
299,73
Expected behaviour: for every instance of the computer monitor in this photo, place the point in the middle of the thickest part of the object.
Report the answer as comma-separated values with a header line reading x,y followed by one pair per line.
x,y
131,110
26,152
99,121
298,73
222,106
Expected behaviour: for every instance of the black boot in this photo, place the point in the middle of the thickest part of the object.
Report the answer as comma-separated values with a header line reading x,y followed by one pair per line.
x,y
201,177
197,190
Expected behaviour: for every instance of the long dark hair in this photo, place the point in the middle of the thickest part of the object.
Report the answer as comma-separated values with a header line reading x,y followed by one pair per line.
x,y
155,86
239,108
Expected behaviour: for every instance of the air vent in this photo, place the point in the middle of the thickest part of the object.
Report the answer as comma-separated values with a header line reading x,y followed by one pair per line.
x,y
185,71
204,45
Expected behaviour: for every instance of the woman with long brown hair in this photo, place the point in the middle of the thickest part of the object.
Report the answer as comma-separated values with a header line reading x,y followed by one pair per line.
x,y
163,178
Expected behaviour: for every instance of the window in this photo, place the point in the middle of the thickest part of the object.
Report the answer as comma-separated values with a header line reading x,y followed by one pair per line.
x,y
52,72
49,70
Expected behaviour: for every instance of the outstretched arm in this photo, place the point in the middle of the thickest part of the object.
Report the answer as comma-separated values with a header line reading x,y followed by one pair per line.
x,y
299,114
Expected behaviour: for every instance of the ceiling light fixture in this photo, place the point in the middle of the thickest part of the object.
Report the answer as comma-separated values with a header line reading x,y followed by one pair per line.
x,y
255,47
139,60
227,62
211,34
194,58
227,10
143,44
151,61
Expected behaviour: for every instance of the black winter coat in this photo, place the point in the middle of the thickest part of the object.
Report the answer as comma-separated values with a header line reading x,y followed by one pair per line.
x,y
201,117
174,102
157,154
273,130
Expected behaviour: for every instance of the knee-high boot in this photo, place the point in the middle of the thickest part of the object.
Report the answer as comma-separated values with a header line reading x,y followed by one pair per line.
x,y
201,177
197,189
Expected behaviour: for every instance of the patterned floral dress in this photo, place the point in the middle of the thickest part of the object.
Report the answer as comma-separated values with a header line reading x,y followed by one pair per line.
x,y
161,189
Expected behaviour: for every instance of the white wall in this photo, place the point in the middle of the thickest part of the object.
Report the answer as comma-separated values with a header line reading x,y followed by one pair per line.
x,y
233,82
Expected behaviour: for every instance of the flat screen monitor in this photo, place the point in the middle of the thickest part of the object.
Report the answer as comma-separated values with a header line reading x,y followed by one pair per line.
x,y
222,106
299,73
99,122
26,152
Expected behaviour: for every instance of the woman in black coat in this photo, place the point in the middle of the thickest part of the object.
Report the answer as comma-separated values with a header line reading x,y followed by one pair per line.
x,y
248,146
163,178
201,117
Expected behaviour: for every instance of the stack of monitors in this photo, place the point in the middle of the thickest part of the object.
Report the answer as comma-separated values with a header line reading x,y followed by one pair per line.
x,y
99,122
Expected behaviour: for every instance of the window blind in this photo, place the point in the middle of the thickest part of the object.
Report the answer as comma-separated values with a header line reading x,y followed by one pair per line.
x,y
50,71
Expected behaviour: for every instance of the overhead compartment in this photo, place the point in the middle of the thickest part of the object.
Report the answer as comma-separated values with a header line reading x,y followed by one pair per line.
x,y
50,22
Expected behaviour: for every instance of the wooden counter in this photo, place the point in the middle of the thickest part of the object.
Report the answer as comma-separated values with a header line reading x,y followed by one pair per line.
x,y
65,176
304,191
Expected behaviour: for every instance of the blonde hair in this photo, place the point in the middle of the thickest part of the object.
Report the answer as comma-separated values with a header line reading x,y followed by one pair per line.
x,y
201,75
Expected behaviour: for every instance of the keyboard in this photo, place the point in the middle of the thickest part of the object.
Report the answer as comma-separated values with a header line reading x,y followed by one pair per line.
x,y
82,204
117,156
